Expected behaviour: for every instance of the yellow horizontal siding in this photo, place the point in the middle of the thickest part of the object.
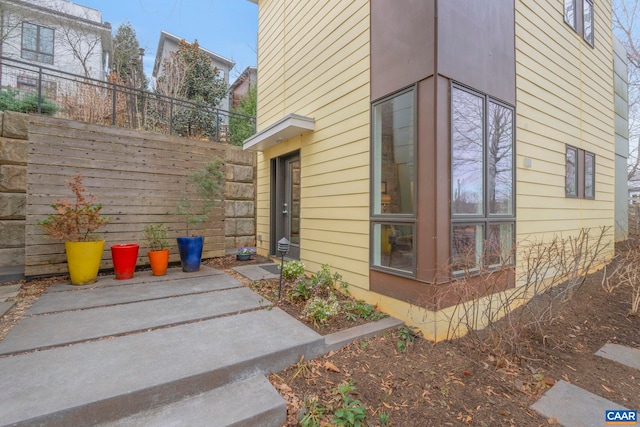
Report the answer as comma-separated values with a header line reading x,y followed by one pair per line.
x,y
564,96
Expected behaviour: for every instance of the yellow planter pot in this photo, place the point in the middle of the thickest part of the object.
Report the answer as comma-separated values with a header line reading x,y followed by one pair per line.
x,y
83,261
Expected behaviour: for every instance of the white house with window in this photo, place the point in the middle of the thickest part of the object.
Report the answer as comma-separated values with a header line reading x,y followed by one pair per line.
x,y
168,44
56,34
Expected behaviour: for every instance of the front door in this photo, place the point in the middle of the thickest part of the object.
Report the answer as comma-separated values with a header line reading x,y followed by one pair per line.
x,y
286,205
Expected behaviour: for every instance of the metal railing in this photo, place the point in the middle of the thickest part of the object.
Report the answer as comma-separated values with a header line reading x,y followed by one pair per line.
x,y
36,89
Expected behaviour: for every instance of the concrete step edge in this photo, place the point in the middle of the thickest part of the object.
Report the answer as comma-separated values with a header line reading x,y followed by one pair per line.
x,y
248,402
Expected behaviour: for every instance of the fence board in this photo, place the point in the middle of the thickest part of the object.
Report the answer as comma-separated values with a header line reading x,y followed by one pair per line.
x,y
138,177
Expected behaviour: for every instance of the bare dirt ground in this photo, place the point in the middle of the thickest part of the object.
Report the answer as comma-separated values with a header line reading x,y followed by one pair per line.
x,y
407,382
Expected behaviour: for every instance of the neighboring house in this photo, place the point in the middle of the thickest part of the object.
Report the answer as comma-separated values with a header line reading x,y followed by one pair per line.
x,y
399,140
168,43
56,34
240,87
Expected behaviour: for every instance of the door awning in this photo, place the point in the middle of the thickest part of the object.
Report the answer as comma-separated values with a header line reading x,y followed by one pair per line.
x,y
286,128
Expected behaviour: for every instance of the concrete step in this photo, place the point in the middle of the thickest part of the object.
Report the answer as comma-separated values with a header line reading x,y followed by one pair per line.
x,y
250,402
104,380
6,306
11,274
622,354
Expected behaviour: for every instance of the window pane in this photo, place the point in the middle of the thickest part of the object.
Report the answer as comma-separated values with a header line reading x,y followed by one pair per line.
x,y
571,173
588,21
467,132
589,175
467,247
29,37
393,246
46,41
570,13
499,245
500,160
394,152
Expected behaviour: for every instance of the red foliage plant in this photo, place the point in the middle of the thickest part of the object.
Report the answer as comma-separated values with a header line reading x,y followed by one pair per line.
x,y
78,221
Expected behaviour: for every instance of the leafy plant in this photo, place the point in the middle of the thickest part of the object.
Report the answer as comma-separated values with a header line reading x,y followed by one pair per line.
x,y
75,221
292,270
360,309
301,289
313,414
319,310
156,236
9,101
406,336
384,418
351,413
207,183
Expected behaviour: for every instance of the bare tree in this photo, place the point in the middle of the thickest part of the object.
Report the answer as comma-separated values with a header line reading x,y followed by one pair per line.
x,y
626,26
79,35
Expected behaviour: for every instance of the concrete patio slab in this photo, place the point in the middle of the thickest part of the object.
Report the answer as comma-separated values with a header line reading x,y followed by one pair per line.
x,y
255,272
6,306
79,384
622,354
139,277
132,291
9,291
572,406
249,402
65,328
339,339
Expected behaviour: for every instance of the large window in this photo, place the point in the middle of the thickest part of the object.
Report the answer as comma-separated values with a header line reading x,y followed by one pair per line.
x,y
37,43
393,178
580,173
578,14
482,177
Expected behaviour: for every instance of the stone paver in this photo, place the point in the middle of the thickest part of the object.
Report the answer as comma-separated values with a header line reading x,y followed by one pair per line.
x,y
619,353
9,291
6,306
255,272
572,406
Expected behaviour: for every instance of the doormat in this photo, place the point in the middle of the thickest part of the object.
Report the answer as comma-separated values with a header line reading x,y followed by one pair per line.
x,y
271,268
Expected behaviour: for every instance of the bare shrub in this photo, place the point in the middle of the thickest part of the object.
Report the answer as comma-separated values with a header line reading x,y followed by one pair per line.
x,y
625,271
502,307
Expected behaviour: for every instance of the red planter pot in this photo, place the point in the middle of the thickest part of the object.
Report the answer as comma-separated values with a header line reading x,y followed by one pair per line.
x,y
124,259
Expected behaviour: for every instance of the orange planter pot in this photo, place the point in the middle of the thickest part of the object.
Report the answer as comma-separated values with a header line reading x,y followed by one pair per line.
x,y
159,261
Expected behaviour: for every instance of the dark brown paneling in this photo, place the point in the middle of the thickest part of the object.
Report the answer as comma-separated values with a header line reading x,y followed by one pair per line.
x,y
402,44
436,296
476,45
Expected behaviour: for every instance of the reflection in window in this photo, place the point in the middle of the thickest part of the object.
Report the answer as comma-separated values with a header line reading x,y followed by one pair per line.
x,y
467,152
466,247
393,246
499,245
394,152
571,172
482,175
37,43
588,21
570,13
500,160
589,175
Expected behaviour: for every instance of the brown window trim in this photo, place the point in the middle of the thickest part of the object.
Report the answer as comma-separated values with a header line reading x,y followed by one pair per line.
x,y
581,173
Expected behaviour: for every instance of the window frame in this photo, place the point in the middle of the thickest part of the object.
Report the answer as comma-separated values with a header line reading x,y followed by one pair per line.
x,y
575,175
588,38
487,218
581,173
36,55
385,218
572,3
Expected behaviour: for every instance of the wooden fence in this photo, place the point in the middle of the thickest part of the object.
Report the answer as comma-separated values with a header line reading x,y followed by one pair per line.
x,y
138,177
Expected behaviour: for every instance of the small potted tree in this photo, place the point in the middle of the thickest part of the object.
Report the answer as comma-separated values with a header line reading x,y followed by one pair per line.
x,y
75,223
195,207
156,236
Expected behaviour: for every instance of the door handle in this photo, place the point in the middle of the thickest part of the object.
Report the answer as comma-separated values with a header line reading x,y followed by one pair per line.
x,y
284,209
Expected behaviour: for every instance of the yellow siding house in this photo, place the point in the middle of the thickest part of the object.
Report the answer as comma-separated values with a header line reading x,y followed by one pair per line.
x,y
397,140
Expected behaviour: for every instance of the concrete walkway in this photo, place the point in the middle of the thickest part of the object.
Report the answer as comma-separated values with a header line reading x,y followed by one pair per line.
x,y
186,349
572,406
